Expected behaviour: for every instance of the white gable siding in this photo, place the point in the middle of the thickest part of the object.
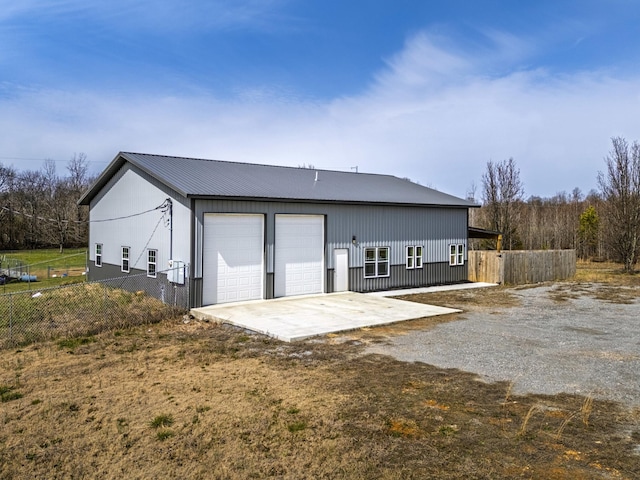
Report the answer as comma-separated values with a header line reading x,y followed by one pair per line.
x,y
130,192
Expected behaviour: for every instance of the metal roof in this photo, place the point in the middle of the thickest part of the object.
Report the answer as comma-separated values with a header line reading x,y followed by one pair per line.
x,y
194,177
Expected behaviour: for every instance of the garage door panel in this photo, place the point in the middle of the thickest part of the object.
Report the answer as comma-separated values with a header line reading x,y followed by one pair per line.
x,y
233,262
299,254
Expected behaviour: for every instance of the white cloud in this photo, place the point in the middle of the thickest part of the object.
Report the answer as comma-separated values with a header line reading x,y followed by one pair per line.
x,y
433,115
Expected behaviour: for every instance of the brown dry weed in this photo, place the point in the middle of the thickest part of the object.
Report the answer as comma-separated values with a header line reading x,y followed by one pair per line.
x,y
246,406
602,281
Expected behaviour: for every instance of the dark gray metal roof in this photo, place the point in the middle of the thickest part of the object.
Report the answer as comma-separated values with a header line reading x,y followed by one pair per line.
x,y
193,177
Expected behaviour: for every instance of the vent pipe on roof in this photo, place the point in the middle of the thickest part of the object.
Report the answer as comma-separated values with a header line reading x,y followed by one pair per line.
x,y
316,177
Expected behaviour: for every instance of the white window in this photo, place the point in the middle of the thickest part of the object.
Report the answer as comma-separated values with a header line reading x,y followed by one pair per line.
x,y
456,254
414,257
124,266
152,256
98,260
376,262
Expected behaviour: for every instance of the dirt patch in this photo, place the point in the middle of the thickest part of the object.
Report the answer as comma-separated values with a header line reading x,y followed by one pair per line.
x,y
620,294
197,400
468,300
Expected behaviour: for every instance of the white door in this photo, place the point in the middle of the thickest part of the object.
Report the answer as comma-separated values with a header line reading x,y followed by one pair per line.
x,y
341,270
233,252
299,255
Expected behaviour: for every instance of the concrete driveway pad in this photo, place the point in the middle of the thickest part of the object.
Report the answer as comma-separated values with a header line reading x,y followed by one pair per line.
x,y
297,318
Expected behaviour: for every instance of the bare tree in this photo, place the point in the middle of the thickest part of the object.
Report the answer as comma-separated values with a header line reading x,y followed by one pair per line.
x,y
7,217
77,182
38,208
61,209
620,188
30,201
4,177
502,191
78,168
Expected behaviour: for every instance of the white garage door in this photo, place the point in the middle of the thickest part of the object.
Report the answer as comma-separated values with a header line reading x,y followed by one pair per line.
x,y
299,255
232,266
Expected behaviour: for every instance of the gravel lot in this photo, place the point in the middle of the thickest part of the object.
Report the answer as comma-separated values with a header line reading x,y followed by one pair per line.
x,y
559,339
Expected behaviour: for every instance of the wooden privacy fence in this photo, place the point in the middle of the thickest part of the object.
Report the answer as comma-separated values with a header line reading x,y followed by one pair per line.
x,y
517,267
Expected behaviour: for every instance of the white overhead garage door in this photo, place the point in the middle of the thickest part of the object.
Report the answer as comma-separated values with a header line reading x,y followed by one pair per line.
x,y
299,255
233,258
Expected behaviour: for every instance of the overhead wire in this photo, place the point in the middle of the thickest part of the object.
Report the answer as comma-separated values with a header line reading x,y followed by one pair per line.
x,y
164,206
149,240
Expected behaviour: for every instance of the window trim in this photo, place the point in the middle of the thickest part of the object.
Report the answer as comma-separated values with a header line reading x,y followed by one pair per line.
x,y
456,254
377,261
413,257
125,260
97,261
152,272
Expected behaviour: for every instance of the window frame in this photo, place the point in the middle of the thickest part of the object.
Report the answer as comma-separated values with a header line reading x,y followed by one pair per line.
x,y
419,256
380,261
152,266
456,254
97,261
413,257
124,260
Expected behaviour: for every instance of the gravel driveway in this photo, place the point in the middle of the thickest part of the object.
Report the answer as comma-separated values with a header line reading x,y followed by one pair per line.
x,y
551,342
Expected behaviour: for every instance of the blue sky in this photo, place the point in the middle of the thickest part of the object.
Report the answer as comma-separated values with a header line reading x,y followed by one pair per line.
x,y
429,90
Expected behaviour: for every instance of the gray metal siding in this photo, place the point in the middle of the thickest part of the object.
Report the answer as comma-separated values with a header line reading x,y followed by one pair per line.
x,y
136,281
384,226
372,225
195,292
105,272
400,277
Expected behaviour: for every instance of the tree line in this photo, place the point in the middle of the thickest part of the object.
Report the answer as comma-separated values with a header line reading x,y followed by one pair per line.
x,y
39,209
602,225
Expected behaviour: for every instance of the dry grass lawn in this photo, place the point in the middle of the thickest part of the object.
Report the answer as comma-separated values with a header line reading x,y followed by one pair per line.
x,y
199,400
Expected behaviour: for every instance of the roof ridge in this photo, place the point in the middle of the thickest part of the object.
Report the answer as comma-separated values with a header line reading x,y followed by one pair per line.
x,y
260,164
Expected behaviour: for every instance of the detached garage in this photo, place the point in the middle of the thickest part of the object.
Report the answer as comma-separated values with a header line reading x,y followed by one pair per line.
x,y
249,232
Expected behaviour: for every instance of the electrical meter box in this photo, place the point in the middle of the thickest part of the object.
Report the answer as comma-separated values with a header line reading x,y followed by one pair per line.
x,y
175,273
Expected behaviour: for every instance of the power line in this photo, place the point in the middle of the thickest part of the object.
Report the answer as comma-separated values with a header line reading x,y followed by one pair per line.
x,y
148,241
26,159
164,207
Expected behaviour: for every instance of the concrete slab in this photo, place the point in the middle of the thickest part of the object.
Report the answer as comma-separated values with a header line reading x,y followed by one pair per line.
x,y
297,318
441,288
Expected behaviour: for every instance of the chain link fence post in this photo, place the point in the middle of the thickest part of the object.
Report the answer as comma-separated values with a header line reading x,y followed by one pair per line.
x,y
10,318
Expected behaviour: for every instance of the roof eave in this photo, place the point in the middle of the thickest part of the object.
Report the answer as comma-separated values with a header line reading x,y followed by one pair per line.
x,y
319,201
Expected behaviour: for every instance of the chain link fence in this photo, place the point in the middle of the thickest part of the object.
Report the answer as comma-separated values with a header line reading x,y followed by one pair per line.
x,y
13,268
88,308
